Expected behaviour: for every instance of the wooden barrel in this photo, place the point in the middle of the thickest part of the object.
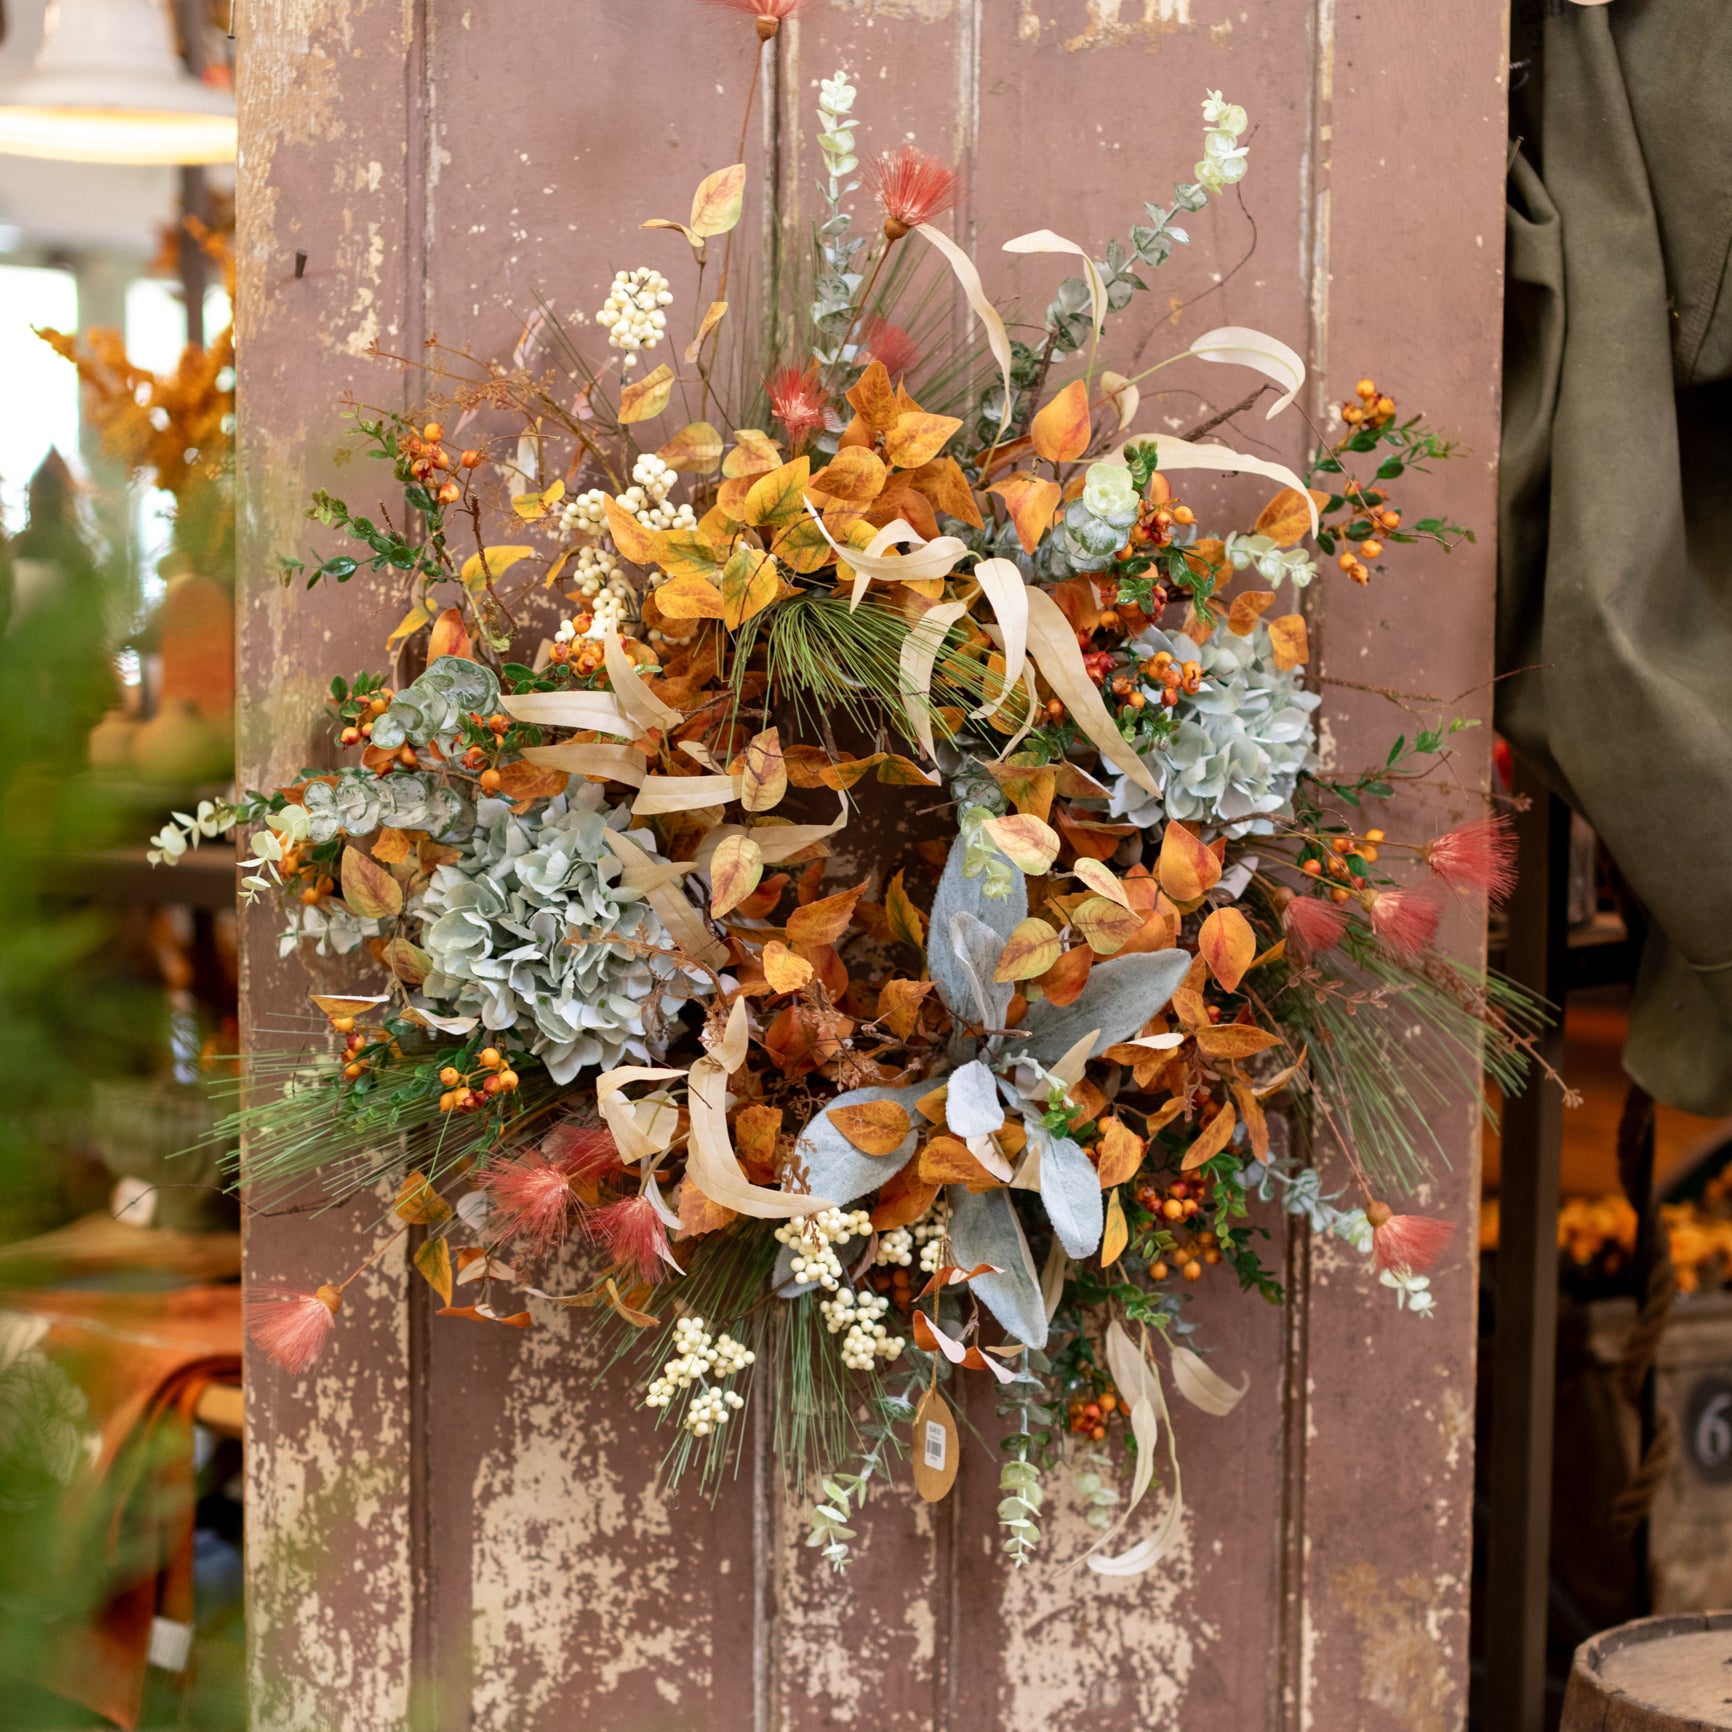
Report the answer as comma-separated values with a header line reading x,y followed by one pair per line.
x,y
1668,1674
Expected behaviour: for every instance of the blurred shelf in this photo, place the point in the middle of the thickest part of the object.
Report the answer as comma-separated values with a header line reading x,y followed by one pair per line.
x,y
100,1245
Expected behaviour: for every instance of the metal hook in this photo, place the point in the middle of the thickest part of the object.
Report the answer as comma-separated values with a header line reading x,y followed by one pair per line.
x,y
300,265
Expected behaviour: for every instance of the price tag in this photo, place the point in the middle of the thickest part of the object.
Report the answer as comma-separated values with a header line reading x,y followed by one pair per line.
x,y
937,1454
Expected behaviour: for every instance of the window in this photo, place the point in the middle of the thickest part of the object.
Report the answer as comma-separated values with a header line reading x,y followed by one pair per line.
x,y
38,390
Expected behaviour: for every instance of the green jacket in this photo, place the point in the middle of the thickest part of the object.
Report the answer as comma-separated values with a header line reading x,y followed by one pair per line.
x,y
1615,510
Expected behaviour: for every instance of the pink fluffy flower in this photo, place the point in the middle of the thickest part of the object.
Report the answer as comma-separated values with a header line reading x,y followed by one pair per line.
x,y
1409,1242
797,400
770,14
889,345
1405,921
532,1199
1476,858
635,1235
290,1326
586,1152
911,188
1314,924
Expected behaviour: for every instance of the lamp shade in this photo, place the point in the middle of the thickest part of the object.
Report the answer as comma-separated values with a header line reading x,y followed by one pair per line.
x,y
108,87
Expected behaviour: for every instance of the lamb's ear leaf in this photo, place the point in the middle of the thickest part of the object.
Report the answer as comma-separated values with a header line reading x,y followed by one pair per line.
x,y
840,1171
1120,997
960,895
972,1107
984,1229
1071,1190
975,949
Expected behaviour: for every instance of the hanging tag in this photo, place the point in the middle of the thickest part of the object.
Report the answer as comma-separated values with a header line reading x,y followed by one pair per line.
x,y
937,1453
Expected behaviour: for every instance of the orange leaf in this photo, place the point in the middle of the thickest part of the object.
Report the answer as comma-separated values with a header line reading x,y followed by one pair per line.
x,y
641,546
1029,788
522,780
1031,503
947,1160
824,921
417,1201
1031,845
757,1129
916,438
1186,867
712,317
1247,609
1064,981
1060,432
943,482
644,399
855,475
1228,945
1118,1154
1116,1234
904,1199
1235,1040
1256,1120
1031,949
873,1127
1214,1139
1287,634
449,637
1285,519
390,846
433,1260
875,398
699,1214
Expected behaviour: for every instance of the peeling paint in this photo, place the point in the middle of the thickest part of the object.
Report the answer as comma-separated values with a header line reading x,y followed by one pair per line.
x,y
1406,1669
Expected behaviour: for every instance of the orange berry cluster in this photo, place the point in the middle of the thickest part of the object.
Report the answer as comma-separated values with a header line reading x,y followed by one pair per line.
x,y
1345,852
1180,1202
1089,1414
1368,407
582,655
467,1092
428,458
354,1043
359,733
476,757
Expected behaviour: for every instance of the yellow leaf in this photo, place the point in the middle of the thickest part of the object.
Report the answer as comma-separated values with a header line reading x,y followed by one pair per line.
x,y
1101,881
873,1127
717,203
1115,1235
1119,1154
1106,926
749,585
1031,845
368,889
824,921
1031,949
712,317
735,868
1286,518
418,1201
499,561
532,507
1213,1140
697,447
433,1260
1029,788
754,453
641,546
785,971
917,438
855,475
756,1131
873,398
1060,432
1248,607
777,499
689,598
411,622
764,780
1031,502
1186,867
1228,945
907,923
1287,634
899,1004
643,399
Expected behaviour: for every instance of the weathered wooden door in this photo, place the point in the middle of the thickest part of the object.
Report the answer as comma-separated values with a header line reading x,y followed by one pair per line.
x,y
448,1529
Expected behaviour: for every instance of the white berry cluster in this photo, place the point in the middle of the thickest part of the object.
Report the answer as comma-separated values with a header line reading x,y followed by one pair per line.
x,y
895,1249
811,1237
861,1315
929,1235
601,583
585,513
632,313
699,1356
647,497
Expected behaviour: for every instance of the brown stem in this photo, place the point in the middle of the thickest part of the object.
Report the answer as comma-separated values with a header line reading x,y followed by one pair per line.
x,y
860,307
1215,421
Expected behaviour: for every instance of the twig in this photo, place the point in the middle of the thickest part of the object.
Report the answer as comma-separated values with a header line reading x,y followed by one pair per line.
x,y
1215,421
